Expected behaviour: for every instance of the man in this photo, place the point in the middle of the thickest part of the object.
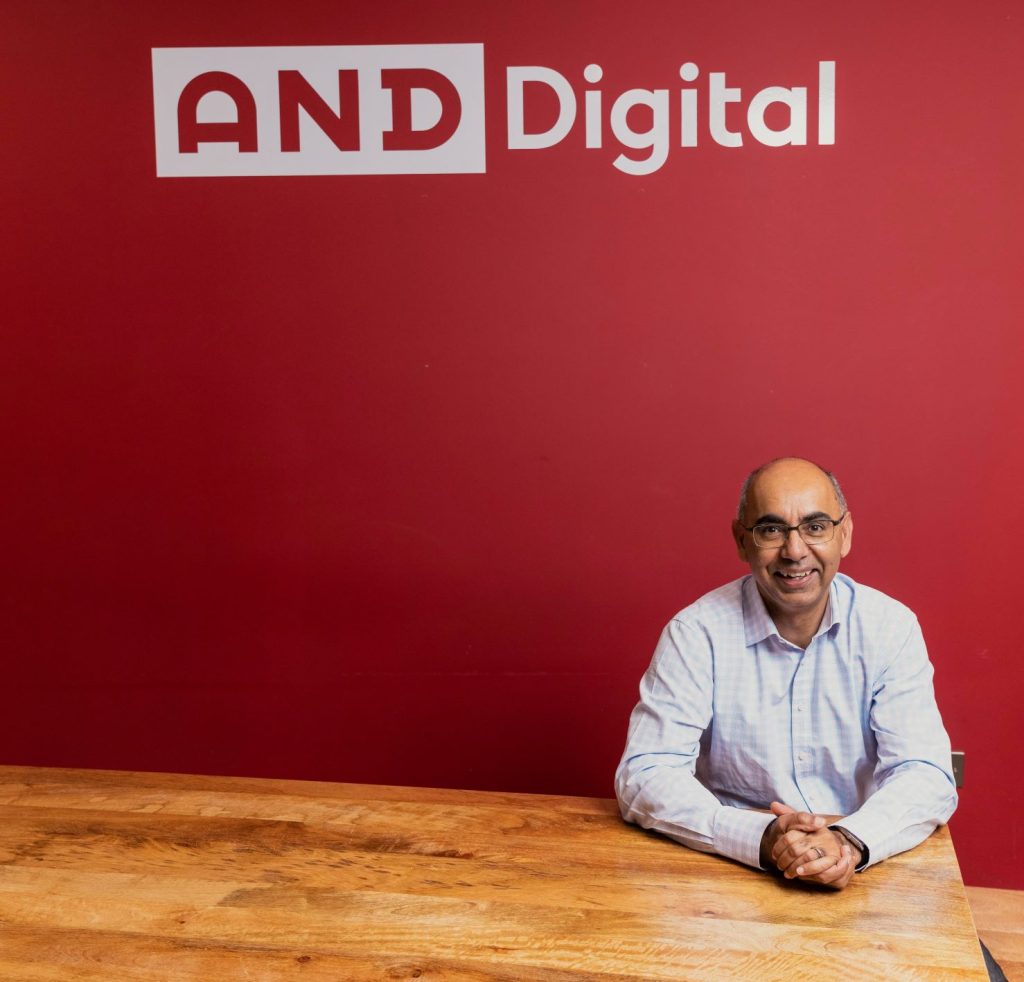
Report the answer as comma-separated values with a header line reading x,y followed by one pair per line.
x,y
792,689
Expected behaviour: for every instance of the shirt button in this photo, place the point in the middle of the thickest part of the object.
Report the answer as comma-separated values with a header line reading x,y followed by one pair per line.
x,y
801,757
799,709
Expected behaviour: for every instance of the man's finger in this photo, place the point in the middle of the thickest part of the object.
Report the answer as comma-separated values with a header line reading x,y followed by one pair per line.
x,y
805,818
786,814
800,820
838,875
835,878
824,870
812,862
792,824
784,854
793,844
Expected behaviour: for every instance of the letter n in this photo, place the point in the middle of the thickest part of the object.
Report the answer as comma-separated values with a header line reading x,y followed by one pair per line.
x,y
191,132
402,81
342,127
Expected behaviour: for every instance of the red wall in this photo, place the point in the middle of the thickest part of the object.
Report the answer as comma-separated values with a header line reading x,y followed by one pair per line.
x,y
396,478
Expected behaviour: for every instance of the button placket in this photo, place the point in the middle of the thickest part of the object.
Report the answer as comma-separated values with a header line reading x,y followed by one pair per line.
x,y
801,726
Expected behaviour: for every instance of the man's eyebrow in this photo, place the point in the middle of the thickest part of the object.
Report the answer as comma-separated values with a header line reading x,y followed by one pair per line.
x,y
776,520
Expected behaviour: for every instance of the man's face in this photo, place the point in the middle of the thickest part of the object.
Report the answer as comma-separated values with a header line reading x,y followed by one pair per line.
x,y
794,578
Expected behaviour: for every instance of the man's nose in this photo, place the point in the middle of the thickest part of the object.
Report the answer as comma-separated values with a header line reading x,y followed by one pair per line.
x,y
794,547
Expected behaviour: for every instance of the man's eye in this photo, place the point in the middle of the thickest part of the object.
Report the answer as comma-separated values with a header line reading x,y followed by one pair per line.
x,y
815,528
771,530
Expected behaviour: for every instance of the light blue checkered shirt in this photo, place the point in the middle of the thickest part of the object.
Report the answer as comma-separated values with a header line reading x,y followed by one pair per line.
x,y
732,717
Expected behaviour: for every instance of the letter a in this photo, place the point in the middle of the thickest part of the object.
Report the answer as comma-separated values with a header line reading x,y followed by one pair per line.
x,y
795,133
191,132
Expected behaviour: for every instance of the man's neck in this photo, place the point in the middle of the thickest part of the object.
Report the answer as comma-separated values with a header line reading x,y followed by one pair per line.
x,y
799,629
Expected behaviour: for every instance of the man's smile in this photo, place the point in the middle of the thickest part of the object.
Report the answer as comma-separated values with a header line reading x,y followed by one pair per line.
x,y
794,578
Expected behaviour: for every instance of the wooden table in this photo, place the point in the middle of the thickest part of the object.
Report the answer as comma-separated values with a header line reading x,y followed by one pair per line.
x,y
107,876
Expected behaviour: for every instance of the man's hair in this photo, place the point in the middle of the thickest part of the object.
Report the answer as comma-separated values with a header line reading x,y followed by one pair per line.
x,y
752,476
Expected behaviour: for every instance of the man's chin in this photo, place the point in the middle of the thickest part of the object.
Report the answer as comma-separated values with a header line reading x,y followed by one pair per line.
x,y
794,600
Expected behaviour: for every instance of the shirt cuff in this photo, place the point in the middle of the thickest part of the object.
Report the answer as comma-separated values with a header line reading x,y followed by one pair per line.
x,y
737,834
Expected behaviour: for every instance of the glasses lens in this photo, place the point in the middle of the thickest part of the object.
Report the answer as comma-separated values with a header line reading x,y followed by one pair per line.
x,y
767,536
816,531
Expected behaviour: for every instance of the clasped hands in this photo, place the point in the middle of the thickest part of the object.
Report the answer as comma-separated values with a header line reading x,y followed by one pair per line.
x,y
801,846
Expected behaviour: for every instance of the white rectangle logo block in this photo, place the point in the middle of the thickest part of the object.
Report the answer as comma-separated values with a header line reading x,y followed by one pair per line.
x,y
340,109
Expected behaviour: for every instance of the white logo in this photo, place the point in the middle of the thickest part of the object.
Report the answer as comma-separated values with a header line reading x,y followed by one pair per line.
x,y
352,109
654,141
419,109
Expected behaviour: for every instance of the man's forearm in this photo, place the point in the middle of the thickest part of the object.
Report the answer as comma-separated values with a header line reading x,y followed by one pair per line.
x,y
670,800
903,812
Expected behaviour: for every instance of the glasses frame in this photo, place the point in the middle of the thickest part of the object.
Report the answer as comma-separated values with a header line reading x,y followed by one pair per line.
x,y
796,528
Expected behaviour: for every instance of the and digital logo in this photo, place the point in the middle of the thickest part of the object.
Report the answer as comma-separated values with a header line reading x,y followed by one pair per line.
x,y
419,109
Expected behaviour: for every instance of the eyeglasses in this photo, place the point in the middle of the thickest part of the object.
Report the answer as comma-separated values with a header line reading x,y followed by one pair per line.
x,y
815,532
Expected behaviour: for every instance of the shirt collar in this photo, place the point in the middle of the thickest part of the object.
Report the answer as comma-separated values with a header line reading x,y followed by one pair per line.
x,y
758,624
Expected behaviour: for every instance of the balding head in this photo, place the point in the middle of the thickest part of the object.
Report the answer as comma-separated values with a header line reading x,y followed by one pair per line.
x,y
789,468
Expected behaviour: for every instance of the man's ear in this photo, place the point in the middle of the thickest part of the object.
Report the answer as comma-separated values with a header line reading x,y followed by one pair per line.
x,y
846,531
739,534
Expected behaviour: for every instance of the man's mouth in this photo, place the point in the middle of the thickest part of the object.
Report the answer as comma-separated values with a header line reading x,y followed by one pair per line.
x,y
795,577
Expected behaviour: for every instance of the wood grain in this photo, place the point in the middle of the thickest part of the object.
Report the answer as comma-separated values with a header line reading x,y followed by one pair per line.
x,y
999,916
112,875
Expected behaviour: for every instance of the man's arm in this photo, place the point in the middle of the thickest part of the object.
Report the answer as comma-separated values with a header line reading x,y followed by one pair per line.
x,y
655,782
915,791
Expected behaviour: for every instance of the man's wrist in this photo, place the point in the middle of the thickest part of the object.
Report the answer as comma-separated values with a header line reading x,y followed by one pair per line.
x,y
767,841
861,853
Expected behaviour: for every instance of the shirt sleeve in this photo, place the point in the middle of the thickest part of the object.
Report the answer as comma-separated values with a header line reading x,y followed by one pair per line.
x,y
656,783
915,791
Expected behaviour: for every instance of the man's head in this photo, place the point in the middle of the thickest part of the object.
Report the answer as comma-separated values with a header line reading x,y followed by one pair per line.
x,y
793,576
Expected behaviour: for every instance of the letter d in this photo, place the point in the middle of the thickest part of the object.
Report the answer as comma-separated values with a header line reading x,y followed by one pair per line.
x,y
517,77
